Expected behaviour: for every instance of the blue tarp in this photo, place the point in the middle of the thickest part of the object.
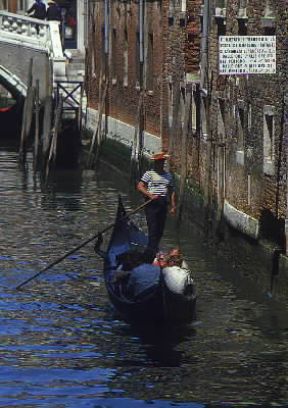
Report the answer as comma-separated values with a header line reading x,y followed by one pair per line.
x,y
142,278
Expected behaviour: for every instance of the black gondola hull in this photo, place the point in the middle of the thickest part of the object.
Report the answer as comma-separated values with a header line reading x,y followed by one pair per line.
x,y
156,303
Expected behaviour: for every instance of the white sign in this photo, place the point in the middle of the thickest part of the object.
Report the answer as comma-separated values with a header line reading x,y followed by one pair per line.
x,y
242,55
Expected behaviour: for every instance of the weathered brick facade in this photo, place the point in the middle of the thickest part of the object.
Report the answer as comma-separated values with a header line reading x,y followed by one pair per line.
x,y
237,110
123,98
235,149
10,5
171,50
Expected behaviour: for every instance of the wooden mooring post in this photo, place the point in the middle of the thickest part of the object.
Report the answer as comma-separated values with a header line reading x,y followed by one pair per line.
x,y
37,130
97,134
54,137
27,114
47,128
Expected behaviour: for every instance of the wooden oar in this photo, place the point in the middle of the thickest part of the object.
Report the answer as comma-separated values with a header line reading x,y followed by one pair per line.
x,y
81,245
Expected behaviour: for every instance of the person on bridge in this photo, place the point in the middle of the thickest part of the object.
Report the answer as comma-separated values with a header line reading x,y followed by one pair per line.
x,y
53,11
157,185
38,10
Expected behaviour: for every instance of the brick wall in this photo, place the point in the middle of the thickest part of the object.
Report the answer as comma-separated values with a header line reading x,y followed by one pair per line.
x,y
174,54
12,5
123,99
237,173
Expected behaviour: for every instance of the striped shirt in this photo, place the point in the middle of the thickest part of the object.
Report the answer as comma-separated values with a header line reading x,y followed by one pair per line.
x,y
158,184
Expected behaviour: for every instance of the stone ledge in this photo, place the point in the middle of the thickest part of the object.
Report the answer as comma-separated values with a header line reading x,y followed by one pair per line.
x,y
123,132
241,221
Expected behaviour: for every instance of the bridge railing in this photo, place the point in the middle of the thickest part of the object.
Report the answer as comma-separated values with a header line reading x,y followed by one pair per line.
x,y
25,28
36,34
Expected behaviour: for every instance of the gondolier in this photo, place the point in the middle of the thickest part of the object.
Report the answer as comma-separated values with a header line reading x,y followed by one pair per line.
x,y
53,11
157,184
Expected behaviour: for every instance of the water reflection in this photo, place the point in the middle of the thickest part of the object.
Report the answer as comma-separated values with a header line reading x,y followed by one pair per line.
x,y
160,343
64,192
62,345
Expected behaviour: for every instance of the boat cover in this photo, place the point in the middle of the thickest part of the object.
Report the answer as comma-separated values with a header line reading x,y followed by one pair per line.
x,y
143,278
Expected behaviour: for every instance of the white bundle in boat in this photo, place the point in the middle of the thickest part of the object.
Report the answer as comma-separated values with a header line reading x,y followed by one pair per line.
x,y
177,279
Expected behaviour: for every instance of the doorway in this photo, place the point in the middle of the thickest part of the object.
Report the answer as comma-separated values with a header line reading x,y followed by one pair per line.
x,y
69,26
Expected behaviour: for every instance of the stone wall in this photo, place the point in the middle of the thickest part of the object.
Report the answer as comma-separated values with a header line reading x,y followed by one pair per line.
x,y
12,54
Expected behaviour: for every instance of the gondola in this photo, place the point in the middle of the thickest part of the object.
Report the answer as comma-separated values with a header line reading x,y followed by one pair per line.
x,y
140,291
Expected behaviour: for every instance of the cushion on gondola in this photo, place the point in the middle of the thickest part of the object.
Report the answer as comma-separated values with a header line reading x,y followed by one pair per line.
x,y
177,279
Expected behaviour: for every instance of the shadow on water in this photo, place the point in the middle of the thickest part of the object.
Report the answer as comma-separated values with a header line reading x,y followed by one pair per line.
x,y
64,192
160,342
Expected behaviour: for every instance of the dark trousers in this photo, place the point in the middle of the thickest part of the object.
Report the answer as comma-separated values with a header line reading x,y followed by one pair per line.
x,y
156,214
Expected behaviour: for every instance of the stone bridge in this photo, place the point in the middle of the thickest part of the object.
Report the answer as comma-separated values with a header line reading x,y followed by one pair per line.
x,y
24,38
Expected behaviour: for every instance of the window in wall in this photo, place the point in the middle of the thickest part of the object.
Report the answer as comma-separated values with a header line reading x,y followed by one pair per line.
x,y
240,129
221,120
171,12
249,117
3,4
268,12
201,17
242,17
182,106
103,49
221,28
242,26
219,6
195,110
92,65
114,56
268,21
204,134
183,5
268,140
220,16
194,113
242,8
150,63
125,58
69,18
21,5
86,23
137,60
248,133
220,158
171,104
269,30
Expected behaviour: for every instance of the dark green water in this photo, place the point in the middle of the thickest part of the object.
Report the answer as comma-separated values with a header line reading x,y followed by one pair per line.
x,y
61,345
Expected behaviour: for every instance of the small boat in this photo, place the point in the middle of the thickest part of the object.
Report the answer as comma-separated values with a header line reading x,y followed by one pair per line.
x,y
140,291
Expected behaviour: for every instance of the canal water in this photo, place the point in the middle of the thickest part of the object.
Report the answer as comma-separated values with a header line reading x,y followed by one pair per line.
x,y
62,345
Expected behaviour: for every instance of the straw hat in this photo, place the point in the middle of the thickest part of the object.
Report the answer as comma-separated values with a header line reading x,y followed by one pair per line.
x,y
160,156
